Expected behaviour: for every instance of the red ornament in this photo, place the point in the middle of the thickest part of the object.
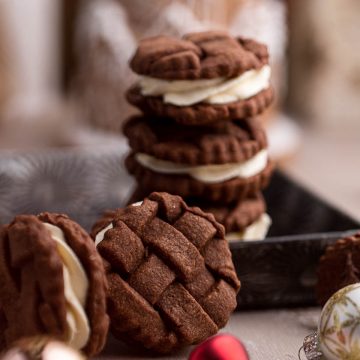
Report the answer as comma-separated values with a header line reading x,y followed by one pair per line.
x,y
220,347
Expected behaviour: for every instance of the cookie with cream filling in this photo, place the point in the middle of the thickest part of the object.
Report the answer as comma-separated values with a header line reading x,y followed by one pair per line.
x,y
244,220
223,188
171,277
226,162
202,78
52,282
221,144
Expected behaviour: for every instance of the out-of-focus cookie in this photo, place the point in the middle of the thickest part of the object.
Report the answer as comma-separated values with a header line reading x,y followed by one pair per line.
x,y
202,78
52,282
171,278
338,267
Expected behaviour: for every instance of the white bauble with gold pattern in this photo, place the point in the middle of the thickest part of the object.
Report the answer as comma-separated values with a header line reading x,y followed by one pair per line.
x,y
339,326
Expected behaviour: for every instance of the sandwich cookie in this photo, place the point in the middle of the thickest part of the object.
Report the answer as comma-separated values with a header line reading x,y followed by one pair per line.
x,y
226,162
245,220
52,282
202,78
171,279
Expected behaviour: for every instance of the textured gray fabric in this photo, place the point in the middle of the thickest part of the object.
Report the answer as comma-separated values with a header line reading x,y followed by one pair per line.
x,y
80,182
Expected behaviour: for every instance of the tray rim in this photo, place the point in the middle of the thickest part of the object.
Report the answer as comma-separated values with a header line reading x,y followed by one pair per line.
x,y
237,244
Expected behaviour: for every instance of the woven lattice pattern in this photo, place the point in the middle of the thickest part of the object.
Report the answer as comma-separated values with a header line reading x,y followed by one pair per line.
x,y
171,276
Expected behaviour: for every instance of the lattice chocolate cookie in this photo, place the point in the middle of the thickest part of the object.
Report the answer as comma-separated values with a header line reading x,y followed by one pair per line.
x,y
171,278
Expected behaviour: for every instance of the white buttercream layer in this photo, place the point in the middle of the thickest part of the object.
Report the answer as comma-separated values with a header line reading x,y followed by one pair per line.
x,y
211,91
56,350
101,234
139,203
255,231
207,173
76,285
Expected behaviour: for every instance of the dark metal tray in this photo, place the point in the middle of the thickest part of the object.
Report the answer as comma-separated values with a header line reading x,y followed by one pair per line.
x,y
278,271
281,270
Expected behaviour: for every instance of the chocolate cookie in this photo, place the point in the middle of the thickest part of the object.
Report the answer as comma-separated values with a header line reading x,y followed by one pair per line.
x,y
203,55
225,162
230,142
41,348
243,220
2,329
227,191
202,113
52,282
338,267
203,78
171,278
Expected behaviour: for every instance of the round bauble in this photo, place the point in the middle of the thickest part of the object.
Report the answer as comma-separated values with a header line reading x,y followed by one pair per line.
x,y
220,347
339,326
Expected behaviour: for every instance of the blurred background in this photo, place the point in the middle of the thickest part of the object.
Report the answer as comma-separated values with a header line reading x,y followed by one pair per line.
x,y
63,73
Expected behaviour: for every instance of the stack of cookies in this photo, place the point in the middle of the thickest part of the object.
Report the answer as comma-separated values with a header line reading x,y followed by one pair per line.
x,y
198,135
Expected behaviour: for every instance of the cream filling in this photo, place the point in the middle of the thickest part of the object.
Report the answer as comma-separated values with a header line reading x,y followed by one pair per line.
x,y
255,231
211,91
55,350
76,286
139,203
101,234
207,173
